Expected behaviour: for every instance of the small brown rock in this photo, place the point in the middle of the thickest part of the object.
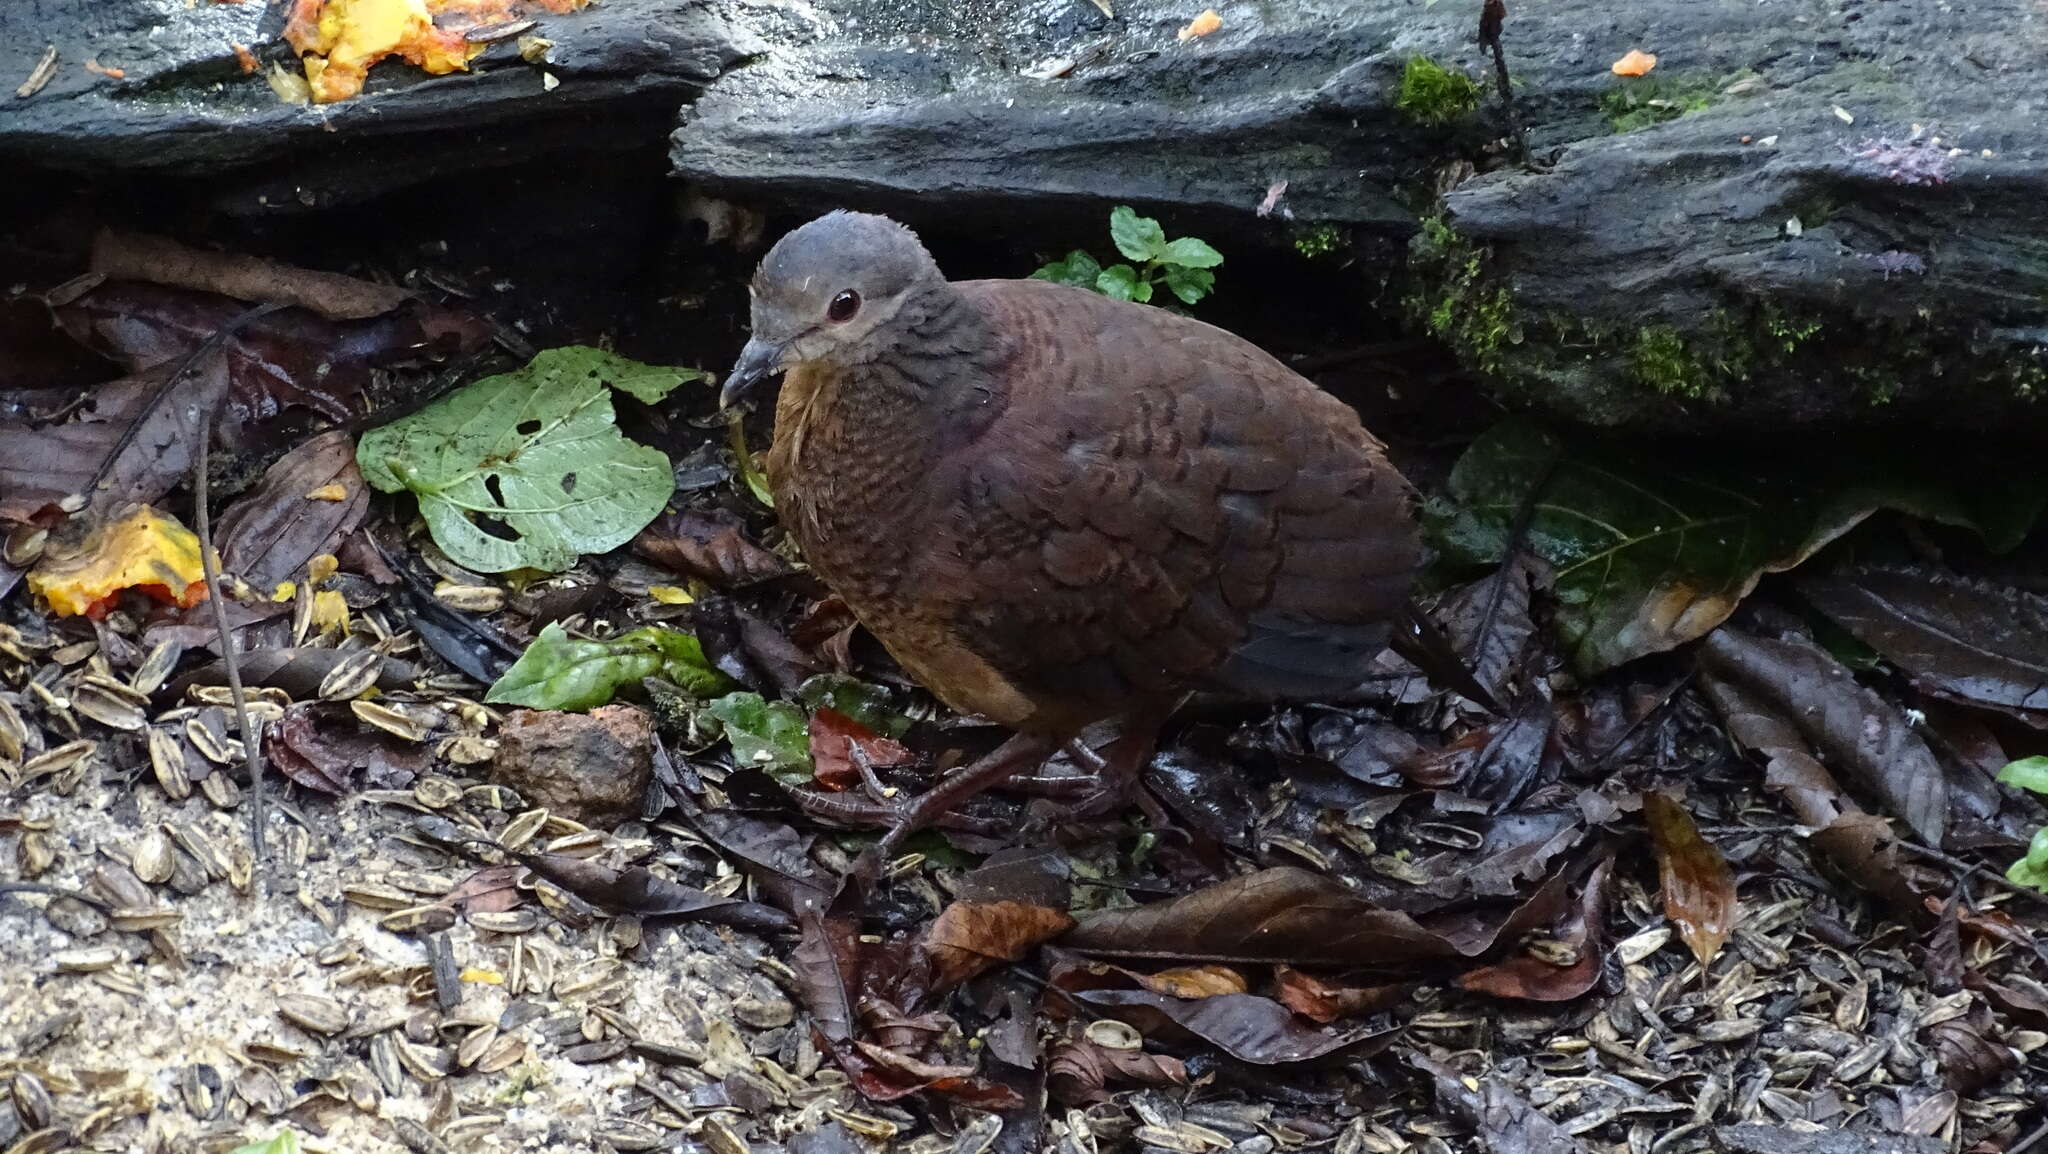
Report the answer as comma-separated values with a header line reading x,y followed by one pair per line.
x,y
592,767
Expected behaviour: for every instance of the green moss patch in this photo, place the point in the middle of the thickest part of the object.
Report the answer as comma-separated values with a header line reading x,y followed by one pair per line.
x,y
1434,95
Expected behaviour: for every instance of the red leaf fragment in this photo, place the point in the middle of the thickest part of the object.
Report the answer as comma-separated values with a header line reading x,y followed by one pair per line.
x,y
836,740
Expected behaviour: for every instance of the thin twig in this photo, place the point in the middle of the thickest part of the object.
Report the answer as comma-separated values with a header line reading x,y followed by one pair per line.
x,y
1968,868
251,730
1491,17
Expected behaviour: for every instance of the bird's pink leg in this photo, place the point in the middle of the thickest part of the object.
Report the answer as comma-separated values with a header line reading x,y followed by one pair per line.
x,y
1022,751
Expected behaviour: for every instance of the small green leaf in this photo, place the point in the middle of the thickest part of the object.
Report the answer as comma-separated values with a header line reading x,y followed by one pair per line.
x,y
1122,282
650,383
2032,870
1078,269
2028,773
284,1142
771,736
1190,284
558,671
863,701
1188,252
1137,237
526,469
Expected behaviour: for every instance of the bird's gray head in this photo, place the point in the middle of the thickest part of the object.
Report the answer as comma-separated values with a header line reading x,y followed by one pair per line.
x,y
829,292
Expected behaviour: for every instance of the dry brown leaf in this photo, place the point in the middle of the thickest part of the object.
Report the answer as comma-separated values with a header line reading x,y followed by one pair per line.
x,y
1699,888
1197,981
969,937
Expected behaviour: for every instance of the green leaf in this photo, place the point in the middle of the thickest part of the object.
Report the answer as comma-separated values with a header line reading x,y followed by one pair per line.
x,y
2032,870
649,383
558,671
1188,252
2028,773
771,736
1650,552
526,470
1123,282
863,701
1190,284
1137,237
283,1142
1078,269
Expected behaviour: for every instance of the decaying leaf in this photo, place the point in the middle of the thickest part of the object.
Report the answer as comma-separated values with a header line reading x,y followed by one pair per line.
x,y
1649,553
1855,730
1699,888
160,260
1249,1028
640,891
1964,639
558,671
145,550
1079,1072
711,547
970,937
1566,970
839,744
1321,1000
526,470
1293,916
306,503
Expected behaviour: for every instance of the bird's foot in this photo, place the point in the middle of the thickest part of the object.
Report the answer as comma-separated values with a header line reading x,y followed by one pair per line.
x,y
1023,751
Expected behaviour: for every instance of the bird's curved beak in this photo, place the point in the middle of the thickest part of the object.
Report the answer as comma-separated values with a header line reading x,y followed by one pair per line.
x,y
759,361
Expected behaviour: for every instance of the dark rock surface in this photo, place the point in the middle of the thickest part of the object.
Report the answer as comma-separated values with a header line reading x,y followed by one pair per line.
x,y
1824,213
184,108
1651,278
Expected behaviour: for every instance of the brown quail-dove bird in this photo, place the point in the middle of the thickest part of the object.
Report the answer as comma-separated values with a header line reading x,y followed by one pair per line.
x,y
1054,508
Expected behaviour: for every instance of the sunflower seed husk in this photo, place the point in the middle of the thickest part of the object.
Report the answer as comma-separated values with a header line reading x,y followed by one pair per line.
x,y
352,676
261,1090
471,598
377,897
419,920
151,858
13,732
474,1045
167,759
42,1141
195,842
56,761
31,1100
207,730
507,922
402,723
521,830
108,708
437,792
156,668
35,853
24,547
143,920
627,1134
86,961
313,1012
221,790
277,1051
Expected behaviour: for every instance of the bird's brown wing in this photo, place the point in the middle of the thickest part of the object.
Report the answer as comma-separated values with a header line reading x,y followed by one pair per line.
x,y
1162,505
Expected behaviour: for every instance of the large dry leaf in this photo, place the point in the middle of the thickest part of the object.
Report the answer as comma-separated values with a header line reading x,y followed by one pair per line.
x,y
1964,639
1856,731
1649,552
1293,916
306,503
1251,1029
1537,979
1698,886
969,937
1861,844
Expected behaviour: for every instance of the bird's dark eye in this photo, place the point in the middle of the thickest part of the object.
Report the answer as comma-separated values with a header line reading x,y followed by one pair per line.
x,y
843,306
